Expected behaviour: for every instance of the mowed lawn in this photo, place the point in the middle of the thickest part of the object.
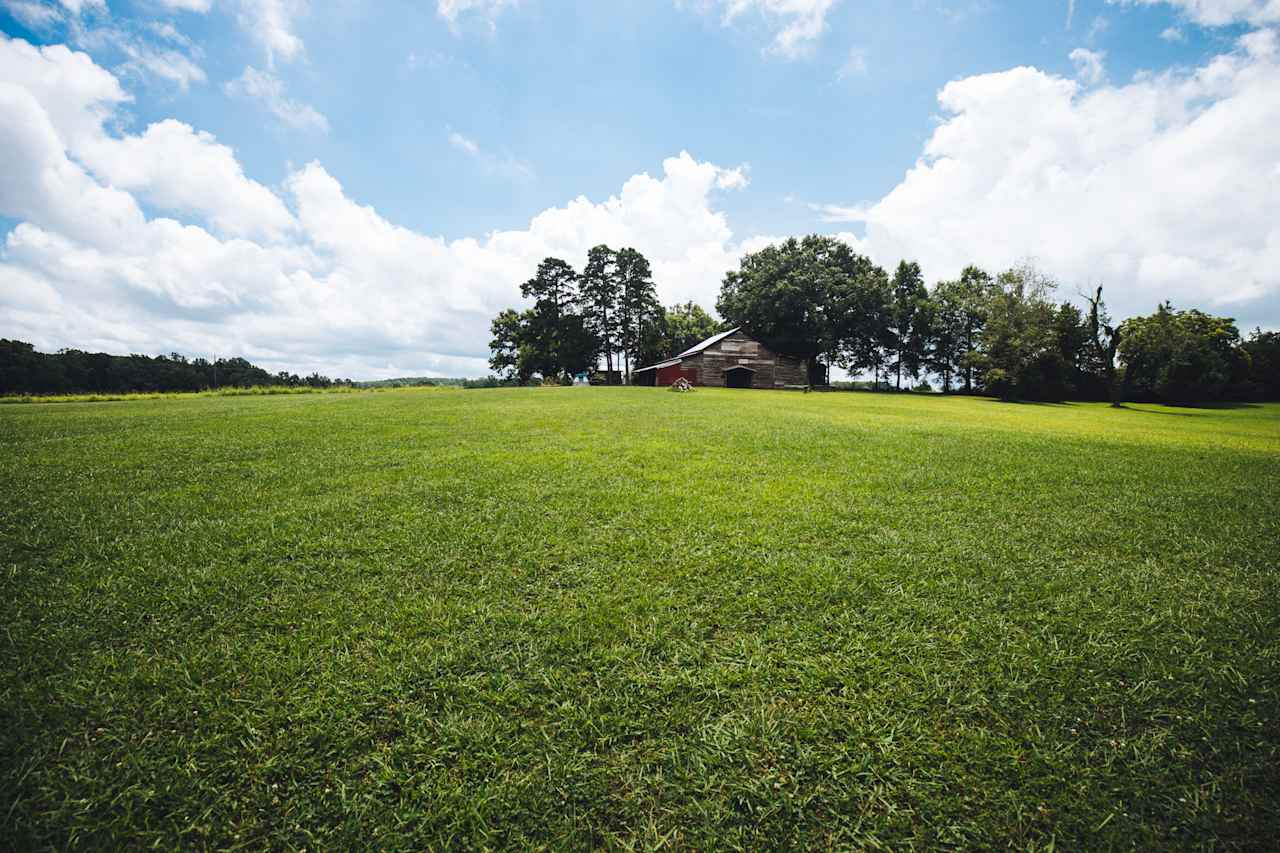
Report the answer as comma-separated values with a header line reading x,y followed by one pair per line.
x,y
583,617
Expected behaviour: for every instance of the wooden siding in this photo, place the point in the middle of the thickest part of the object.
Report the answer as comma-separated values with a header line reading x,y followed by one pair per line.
x,y
738,350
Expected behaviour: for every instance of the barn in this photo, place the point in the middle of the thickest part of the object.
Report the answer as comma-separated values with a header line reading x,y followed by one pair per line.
x,y
731,359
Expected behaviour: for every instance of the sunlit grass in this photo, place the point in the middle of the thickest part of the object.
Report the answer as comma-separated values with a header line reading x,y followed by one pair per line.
x,y
587,616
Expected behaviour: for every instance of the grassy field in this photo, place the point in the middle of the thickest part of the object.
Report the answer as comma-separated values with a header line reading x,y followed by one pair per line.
x,y
582,617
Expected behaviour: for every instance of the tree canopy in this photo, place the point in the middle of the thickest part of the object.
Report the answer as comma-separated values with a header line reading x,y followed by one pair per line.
x,y
816,298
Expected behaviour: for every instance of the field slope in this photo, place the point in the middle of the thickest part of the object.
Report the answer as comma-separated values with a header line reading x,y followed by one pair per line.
x,y
588,617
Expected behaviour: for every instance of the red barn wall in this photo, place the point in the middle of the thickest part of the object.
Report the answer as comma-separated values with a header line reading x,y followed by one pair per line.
x,y
668,375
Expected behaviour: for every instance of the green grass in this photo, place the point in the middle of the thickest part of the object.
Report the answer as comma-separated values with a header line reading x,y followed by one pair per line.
x,y
621,617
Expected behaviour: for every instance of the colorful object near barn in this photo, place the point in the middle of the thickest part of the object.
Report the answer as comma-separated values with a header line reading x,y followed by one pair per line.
x,y
731,359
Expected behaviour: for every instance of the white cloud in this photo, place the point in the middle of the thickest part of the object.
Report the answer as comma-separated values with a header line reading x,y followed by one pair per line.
x,y
799,24
269,90
273,24
183,171
170,65
199,6
1172,34
457,140
1089,65
338,288
78,7
1218,13
841,212
1071,12
169,165
1162,188
134,46
488,10
492,164
735,178
32,14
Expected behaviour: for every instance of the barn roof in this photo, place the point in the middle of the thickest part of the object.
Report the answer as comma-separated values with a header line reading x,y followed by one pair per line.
x,y
697,348
666,363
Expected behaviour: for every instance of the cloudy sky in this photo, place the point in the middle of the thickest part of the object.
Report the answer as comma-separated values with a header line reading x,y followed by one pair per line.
x,y
357,188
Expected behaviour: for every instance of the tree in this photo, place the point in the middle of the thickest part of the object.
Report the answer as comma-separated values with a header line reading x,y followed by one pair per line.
x,y
974,295
1105,341
1072,338
600,293
638,307
1023,360
908,321
793,295
947,303
862,329
510,355
546,333
1182,356
1263,349
687,325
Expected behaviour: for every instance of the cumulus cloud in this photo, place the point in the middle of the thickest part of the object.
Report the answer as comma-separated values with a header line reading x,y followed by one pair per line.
x,y
1165,187
1089,65
269,91
331,286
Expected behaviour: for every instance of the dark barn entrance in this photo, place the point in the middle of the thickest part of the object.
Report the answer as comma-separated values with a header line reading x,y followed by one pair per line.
x,y
738,377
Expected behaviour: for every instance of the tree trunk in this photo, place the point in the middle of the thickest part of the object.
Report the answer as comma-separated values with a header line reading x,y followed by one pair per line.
x,y
898,383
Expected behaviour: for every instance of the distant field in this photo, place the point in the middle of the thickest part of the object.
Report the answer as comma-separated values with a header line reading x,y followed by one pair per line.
x,y
581,617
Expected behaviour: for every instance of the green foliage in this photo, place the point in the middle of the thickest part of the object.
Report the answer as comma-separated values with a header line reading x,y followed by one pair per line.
x,y
1263,349
1023,358
1182,356
600,297
611,307
639,311
797,296
568,619
909,322
687,325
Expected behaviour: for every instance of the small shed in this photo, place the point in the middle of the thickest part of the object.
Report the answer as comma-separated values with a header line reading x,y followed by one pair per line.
x,y
731,359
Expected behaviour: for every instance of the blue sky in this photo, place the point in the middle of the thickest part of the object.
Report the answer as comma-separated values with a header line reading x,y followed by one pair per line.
x,y
432,126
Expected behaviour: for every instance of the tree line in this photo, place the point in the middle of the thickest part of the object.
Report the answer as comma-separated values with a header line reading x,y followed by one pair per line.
x,y
1002,335
608,311
23,370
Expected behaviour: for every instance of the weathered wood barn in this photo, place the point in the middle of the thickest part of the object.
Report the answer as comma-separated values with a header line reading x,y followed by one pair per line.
x,y
730,359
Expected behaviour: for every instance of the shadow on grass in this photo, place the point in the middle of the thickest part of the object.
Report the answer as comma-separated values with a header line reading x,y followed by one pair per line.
x,y
1061,404
1202,408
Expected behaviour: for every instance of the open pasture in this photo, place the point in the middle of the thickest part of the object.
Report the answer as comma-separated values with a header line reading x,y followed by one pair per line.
x,y
582,617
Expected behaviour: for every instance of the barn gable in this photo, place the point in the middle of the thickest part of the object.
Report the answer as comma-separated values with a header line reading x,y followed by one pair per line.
x,y
731,359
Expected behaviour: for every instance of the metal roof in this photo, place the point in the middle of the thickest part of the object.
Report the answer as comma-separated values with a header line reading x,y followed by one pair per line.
x,y
696,348
666,363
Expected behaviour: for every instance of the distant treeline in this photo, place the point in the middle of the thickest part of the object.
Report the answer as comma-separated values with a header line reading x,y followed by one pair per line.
x,y
1002,335
72,371
428,382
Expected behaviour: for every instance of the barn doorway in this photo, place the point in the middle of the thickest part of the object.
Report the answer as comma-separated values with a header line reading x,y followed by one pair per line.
x,y
738,377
